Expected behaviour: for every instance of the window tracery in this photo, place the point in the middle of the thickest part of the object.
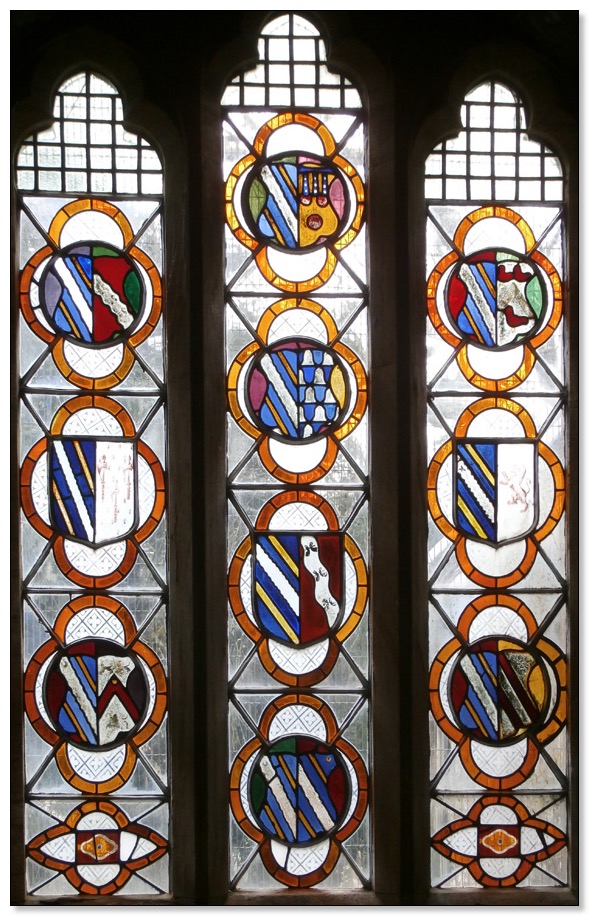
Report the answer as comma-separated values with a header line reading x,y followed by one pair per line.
x,y
296,332
97,178
496,491
93,533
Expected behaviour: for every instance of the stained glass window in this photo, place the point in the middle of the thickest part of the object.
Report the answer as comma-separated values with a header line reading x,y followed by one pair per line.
x,y
497,389
226,572
93,498
297,468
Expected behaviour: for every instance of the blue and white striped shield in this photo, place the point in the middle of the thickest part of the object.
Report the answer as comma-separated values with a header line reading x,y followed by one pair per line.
x,y
297,587
92,488
495,498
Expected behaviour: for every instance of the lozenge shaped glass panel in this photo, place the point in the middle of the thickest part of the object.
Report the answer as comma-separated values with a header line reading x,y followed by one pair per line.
x,y
239,731
156,876
256,877
140,885
357,847
45,574
250,470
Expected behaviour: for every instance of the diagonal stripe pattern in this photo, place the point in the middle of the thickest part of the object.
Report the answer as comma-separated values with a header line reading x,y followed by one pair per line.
x,y
92,487
73,497
476,485
277,586
74,311
92,293
498,690
297,586
95,693
279,217
299,790
298,390
280,409
479,311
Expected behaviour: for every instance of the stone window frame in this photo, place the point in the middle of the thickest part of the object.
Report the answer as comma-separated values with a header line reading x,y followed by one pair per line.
x,y
200,811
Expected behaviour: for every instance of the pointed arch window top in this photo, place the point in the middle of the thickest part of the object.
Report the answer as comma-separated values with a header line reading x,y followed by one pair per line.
x,y
291,72
493,158
87,149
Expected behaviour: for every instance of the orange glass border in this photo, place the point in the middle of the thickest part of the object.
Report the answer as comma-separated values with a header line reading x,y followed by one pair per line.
x,y
143,531
56,340
318,674
356,413
545,648
44,652
354,819
260,249
35,845
472,819
452,533
530,346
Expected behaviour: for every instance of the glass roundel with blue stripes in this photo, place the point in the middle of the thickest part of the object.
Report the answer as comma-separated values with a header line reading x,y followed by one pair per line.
x,y
93,497
497,404
298,469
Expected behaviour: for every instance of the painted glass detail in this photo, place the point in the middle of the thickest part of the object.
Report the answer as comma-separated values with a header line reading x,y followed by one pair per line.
x,y
498,690
491,480
97,848
96,693
499,842
329,206
92,488
91,293
92,303
496,298
298,790
297,398
297,585
496,489
297,390
93,499
295,201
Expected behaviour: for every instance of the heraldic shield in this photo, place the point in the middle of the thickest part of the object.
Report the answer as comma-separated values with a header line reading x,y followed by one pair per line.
x,y
297,585
295,201
495,489
92,486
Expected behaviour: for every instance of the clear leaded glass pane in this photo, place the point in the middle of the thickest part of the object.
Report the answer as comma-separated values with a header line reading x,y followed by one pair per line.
x,y
498,634
297,466
93,533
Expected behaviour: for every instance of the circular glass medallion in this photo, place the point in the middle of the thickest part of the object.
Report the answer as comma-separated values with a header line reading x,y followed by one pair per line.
x,y
498,690
96,694
299,790
496,299
297,390
295,201
92,293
